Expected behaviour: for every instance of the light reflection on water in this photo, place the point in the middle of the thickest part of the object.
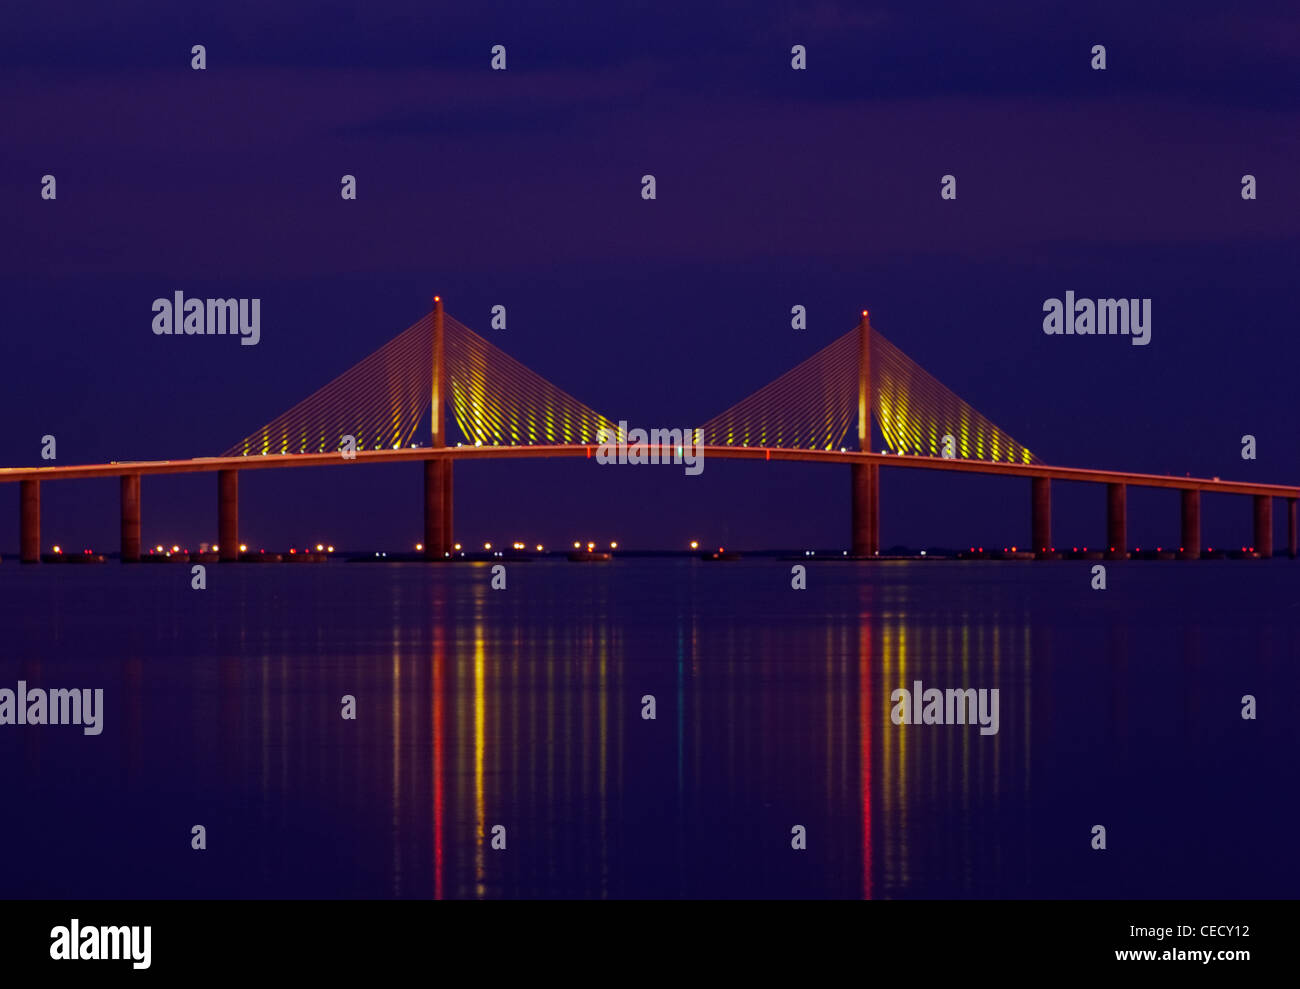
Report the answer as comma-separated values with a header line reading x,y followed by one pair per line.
x,y
522,709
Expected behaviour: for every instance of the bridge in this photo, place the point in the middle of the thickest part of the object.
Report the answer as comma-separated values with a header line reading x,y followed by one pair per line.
x,y
502,409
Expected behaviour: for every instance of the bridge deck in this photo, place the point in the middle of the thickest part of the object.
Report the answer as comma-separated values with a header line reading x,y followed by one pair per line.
x,y
203,465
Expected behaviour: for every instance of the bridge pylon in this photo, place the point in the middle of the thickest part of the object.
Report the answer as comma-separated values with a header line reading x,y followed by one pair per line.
x,y
438,472
864,491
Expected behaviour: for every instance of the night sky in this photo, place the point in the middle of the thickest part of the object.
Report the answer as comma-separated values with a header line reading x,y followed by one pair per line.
x,y
775,188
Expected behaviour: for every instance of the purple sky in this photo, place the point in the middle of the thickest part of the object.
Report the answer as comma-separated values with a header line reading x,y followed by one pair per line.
x,y
775,188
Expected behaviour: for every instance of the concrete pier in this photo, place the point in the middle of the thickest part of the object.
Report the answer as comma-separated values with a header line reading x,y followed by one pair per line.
x,y
1191,529
1117,521
130,518
437,509
1264,526
1040,516
447,487
228,515
1290,527
29,521
865,509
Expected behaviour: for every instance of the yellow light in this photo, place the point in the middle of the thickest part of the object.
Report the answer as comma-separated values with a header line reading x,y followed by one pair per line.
x,y
243,547
419,546
577,545
695,544
158,549
613,545
329,549
590,547
176,549
458,546
58,549
539,547
320,548
487,545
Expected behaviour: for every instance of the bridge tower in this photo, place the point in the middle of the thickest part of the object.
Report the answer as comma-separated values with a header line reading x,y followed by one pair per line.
x,y
437,472
865,480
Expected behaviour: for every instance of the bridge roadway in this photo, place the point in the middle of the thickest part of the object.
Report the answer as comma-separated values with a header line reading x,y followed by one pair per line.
x,y
201,465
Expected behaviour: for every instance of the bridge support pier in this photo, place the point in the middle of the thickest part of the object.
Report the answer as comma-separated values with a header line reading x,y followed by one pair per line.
x,y
29,521
130,518
865,509
448,487
1290,527
1117,521
1190,544
437,509
1040,516
1264,526
228,515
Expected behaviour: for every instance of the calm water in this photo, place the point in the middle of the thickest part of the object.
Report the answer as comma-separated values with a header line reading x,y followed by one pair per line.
x,y
522,708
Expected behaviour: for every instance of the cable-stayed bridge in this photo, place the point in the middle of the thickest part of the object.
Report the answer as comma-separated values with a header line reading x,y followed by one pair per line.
x,y
502,409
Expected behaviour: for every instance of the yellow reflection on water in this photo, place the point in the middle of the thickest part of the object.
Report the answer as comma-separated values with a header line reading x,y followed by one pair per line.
x,y
866,721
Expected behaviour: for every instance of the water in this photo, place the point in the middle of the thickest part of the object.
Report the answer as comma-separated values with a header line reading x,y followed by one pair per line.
x,y
523,708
